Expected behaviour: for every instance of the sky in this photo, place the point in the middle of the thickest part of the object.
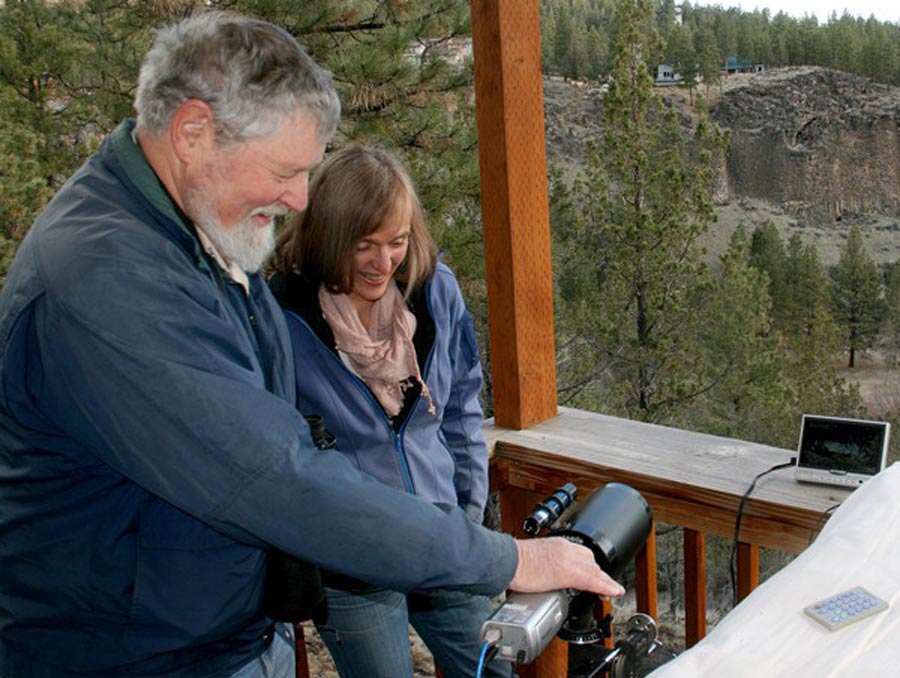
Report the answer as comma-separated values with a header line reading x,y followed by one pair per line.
x,y
884,10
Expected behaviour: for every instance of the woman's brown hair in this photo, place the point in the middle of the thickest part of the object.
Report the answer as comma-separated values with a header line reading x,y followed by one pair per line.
x,y
351,196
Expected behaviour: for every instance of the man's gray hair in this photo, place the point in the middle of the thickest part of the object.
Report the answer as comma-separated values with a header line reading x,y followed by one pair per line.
x,y
251,73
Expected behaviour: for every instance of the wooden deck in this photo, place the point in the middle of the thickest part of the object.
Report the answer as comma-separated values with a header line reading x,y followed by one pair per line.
x,y
691,480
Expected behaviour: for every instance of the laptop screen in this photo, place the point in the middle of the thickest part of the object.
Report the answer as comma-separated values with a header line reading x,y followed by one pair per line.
x,y
841,451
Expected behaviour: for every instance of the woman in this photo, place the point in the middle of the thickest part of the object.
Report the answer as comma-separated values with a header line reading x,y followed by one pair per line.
x,y
385,351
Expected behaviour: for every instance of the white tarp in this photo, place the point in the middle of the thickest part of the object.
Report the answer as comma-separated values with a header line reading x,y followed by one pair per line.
x,y
768,634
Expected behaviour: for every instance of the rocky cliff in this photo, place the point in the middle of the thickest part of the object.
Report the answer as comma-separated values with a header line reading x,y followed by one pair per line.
x,y
813,150
822,144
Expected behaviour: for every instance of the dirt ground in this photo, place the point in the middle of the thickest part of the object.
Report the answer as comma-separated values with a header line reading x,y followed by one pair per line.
x,y
879,385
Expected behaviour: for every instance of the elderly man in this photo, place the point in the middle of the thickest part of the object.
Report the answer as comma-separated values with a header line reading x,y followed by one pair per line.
x,y
150,452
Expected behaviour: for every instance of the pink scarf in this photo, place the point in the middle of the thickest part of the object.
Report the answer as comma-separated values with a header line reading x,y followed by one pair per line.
x,y
382,354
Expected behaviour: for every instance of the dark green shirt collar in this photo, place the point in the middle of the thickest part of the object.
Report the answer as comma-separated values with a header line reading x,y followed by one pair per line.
x,y
139,171
134,162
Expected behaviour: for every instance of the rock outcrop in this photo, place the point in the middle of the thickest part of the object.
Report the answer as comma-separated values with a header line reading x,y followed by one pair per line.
x,y
813,151
822,144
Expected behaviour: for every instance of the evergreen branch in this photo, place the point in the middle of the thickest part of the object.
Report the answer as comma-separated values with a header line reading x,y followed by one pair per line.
x,y
668,402
350,28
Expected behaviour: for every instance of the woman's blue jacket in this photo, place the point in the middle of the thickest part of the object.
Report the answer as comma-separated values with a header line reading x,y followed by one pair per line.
x,y
441,457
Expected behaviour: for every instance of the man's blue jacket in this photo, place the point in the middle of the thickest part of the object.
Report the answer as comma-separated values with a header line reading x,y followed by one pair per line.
x,y
151,453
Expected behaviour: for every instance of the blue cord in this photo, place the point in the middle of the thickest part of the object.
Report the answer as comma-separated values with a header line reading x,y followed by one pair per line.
x,y
484,650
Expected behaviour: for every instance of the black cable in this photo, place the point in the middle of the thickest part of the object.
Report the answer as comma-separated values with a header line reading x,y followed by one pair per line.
x,y
732,563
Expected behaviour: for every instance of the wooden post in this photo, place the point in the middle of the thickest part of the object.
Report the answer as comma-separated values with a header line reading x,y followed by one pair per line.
x,y
512,152
645,576
603,609
694,587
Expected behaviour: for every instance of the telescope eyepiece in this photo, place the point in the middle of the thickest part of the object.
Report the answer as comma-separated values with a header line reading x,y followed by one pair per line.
x,y
549,510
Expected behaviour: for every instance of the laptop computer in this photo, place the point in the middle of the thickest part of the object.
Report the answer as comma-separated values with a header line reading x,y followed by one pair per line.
x,y
839,451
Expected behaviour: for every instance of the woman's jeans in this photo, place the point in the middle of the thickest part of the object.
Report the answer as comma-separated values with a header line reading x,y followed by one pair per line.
x,y
277,661
367,632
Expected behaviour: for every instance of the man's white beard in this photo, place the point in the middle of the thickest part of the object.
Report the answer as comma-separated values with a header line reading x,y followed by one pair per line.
x,y
245,244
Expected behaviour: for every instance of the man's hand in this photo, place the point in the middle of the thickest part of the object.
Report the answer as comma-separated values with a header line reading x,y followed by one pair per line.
x,y
555,563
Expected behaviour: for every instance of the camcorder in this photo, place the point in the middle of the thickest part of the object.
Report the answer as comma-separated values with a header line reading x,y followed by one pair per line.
x,y
614,524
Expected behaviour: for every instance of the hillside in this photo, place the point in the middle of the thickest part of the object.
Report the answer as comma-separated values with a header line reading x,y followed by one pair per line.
x,y
813,150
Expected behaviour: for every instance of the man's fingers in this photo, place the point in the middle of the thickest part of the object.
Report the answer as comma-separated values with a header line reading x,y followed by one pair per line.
x,y
555,563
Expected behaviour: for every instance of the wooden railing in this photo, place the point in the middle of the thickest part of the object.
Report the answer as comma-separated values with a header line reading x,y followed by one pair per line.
x,y
691,480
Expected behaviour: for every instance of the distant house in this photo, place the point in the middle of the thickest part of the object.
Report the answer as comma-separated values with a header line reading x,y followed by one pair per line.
x,y
666,75
734,65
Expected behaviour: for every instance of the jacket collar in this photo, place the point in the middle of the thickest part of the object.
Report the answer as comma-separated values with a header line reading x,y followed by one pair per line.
x,y
300,295
134,163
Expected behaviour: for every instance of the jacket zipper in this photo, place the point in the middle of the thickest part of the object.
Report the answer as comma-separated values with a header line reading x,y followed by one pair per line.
x,y
396,437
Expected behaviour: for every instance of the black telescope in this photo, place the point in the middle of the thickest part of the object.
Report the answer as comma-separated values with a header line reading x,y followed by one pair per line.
x,y
613,523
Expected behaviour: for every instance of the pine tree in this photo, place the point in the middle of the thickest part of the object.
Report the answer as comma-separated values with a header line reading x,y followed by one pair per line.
x,y
645,199
846,44
892,316
806,289
57,100
595,48
812,340
865,47
809,367
767,254
405,81
548,31
681,55
856,296
564,44
774,373
748,395
579,264
709,58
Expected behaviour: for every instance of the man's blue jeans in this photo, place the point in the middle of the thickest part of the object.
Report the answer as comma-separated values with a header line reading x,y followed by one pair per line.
x,y
367,632
278,659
